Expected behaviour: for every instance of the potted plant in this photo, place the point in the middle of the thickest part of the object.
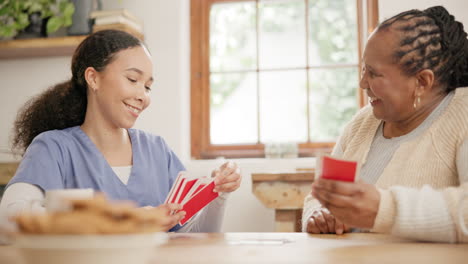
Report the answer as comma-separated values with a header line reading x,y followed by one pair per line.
x,y
34,18
13,17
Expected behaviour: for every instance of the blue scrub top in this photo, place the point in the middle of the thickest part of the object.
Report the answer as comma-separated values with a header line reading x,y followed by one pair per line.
x,y
61,159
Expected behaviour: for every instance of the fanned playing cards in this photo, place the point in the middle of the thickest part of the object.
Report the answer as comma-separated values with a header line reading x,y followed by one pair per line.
x,y
337,169
192,193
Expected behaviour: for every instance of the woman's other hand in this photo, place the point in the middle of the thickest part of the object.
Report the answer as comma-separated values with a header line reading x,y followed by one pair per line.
x,y
227,178
354,203
323,222
168,219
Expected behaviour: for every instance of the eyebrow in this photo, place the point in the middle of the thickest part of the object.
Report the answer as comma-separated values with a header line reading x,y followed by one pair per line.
x,y
139,72
369,67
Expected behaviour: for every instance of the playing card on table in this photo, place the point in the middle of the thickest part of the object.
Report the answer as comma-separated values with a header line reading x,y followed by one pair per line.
x,y
337,169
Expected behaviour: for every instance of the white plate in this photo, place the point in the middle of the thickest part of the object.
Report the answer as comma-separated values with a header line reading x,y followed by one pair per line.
x,y
86,249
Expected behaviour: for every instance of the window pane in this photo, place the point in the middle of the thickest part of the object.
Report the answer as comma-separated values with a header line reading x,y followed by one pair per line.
x,y
232,36
282,34
332,32
233,108
333,101
283,106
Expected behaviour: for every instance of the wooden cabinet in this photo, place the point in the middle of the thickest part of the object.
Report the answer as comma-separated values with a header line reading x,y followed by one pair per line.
x,y
285,193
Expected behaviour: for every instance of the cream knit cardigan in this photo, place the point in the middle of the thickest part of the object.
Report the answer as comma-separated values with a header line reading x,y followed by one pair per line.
x,y
420,188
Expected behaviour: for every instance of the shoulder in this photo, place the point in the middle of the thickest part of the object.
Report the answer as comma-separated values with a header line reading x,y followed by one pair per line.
x,y
460,102
364,114
454,120
53,138
154,147
450,129
363,120
51,145
145,138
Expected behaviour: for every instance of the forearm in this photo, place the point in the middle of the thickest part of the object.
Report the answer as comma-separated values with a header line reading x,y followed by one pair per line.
x,y
425,214
22,197
310,205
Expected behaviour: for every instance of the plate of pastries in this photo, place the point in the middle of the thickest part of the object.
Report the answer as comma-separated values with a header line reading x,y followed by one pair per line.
x,y
93,230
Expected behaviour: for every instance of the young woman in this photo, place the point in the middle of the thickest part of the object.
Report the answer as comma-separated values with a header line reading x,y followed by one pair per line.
x,y
78,135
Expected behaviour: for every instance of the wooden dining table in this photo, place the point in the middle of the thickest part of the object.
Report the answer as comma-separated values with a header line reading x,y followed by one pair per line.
x,y
208,248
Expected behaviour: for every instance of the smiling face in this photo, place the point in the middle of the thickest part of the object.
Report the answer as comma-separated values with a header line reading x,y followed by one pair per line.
x,y
390,91
123,87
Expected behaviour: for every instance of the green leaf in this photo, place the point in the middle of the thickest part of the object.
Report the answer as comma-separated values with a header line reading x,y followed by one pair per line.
x,y
22,21
69,10
68,21
7,31
4,10
62,5
53,24
35,7
46,13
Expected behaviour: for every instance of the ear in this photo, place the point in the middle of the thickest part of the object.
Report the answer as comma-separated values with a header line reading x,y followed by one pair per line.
x,y
92,78
424,82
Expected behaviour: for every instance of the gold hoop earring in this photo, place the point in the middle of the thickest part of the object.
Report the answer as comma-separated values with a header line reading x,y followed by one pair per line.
x,y
417,102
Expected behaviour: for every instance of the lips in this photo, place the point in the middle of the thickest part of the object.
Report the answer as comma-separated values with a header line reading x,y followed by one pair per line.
x,y
133,109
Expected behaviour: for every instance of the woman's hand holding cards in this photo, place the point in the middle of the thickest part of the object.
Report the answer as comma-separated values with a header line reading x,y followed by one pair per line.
x,y
227,178
354,203
348,199
168,219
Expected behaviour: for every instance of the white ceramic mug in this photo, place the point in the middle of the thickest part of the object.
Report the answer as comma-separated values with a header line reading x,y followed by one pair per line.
x,y
461,207
57,200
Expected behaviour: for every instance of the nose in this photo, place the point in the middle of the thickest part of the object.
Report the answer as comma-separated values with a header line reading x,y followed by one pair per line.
x,y
142,95
363,83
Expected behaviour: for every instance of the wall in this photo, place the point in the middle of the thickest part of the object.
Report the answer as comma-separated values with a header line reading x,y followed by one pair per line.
x,y
458,8
21,79
168,38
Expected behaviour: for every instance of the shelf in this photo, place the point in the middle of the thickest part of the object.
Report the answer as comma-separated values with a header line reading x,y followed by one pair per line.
x,y
284,176
39,47
7,171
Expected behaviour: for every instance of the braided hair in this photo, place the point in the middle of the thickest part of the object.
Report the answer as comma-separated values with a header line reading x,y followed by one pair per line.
x,y
64,104
431,39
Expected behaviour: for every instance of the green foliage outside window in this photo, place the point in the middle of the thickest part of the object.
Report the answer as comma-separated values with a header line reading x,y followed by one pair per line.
x,y
332,40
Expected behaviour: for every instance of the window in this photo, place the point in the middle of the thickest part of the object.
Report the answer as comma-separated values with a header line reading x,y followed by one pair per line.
x,y
273,71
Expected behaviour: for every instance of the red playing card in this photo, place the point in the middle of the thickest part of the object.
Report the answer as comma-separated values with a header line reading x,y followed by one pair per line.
x,y
199,184
337,169
184,189
176,192
175,187
195,189
198,201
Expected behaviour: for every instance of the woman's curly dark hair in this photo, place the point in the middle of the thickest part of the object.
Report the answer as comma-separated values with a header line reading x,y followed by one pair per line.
x,y
64,104
431,39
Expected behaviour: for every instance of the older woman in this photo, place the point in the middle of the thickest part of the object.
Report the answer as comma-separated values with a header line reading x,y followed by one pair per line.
x,y
412,140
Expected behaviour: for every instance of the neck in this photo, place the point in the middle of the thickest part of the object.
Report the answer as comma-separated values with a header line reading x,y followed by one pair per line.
x,y
104,135
405,126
